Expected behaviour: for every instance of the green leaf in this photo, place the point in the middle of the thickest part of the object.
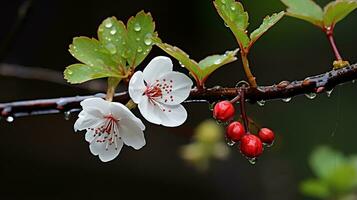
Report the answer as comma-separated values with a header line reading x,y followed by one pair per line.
x,y
112,35
324,161
315,188
234,16
182,57
268,22
79,73
306,10
337,10
211,63
91,52
140,35
205,67
343,178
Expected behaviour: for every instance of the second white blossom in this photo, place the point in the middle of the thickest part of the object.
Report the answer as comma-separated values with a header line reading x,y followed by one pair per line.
x,y
159,92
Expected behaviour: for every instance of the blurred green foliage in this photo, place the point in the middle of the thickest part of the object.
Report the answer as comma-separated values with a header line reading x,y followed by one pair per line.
x,y
208,144
336,175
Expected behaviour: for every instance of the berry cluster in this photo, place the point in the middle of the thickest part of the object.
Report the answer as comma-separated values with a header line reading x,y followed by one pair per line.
x,y
251,145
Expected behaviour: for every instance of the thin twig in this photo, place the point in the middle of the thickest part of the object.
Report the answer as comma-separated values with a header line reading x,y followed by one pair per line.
x,y
43,74
315,84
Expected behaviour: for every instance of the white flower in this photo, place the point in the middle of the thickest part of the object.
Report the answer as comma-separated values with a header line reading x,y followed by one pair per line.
x,y
158,91
108,126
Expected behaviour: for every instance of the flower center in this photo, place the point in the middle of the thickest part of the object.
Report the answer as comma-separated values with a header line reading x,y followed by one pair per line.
x,y
153,92
108,132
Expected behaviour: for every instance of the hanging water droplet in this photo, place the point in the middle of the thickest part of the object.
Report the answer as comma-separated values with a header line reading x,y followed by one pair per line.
x,y
113,31
67,115
353,81
148,41
230,142
311,95
10,119
139,50
261,103
329,92
286,100
137,27
108,24
252,160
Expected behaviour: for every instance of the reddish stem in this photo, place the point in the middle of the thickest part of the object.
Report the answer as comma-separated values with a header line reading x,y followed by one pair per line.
x,y
242,109
329,33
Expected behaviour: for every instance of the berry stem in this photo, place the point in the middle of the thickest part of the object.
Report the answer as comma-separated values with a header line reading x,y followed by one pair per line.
x,y
248,72
242,109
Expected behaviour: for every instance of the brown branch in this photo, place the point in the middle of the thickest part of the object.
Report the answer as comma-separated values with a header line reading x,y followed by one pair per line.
x,y
48,75
285,89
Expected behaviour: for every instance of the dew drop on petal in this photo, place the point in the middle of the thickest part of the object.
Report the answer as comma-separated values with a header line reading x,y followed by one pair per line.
x,y
329,92
67,115
137,27
311,95
10,119
286,100
261,103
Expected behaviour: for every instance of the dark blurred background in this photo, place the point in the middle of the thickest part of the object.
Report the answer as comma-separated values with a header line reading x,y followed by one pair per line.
x,y
42,158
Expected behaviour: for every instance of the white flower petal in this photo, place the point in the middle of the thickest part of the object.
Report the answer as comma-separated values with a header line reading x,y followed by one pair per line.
x,y
157,66
105,155
121,112
173,115
96,102
88,119
175,88
137,86
131,134
149,111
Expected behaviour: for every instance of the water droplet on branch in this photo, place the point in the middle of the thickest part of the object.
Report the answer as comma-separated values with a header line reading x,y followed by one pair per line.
x,y
10,119
67,115
311,95
286,100
261,103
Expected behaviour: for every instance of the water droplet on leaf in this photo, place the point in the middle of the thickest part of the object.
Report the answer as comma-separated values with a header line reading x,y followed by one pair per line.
x,y
108,24
137,27
148,41
113,31
69,72
111,48
139,50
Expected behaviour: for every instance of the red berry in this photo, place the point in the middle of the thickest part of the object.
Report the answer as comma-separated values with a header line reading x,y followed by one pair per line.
x,y
223,111
251,146
235,131
266,135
